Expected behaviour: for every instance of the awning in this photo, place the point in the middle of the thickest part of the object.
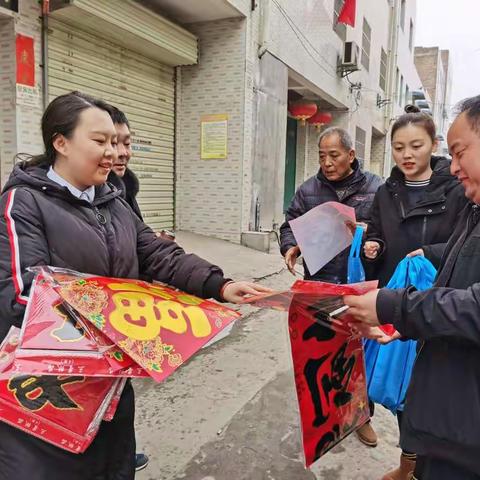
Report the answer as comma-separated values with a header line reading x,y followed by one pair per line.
x,y
131,25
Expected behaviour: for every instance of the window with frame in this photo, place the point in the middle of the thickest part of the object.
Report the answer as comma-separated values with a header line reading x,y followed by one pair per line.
x,y
410,36
360,139
407,94
383,70
339,28
403,8
366,39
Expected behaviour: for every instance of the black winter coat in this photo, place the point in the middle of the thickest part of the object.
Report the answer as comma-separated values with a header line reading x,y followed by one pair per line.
x,y
400,230
317,190
442,411
44,224
129,187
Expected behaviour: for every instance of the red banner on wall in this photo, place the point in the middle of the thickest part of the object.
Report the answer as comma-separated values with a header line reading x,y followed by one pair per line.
x,y
25,56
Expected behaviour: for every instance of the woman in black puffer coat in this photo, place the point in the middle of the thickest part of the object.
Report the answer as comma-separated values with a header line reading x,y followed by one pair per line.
x,y
407,215
417,207
58,211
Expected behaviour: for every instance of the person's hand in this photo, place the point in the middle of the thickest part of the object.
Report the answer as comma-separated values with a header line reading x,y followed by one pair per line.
x,y
291,258
363,308
371,249
417,253
363,225
374,333
165,235
352,226
386,339
235,292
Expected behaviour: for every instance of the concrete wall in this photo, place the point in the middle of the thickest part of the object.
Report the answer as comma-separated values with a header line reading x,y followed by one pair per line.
x,y
430,67
366,114
434,70
301,35
209,192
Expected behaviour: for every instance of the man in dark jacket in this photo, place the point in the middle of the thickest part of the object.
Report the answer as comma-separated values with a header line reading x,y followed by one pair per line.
x,y
339,179
442,416
121,176
127,183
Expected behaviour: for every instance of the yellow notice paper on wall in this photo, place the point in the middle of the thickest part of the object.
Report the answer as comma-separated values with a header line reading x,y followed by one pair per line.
x,y
213,136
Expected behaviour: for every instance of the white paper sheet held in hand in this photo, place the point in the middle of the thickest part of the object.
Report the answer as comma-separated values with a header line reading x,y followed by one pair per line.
x,y
322,233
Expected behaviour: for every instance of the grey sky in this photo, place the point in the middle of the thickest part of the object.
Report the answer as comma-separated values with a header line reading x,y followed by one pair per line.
x,y
454,25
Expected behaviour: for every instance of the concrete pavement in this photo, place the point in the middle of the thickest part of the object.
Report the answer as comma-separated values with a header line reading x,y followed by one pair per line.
x,y
231,412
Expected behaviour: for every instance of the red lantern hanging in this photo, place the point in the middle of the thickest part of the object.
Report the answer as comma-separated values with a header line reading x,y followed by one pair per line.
x,y
302,110
320,119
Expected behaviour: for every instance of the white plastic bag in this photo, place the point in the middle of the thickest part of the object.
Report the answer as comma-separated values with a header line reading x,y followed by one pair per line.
x,y
323,232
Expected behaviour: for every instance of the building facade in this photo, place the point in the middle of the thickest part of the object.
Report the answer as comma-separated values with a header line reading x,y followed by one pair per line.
x,y
434,67
207,88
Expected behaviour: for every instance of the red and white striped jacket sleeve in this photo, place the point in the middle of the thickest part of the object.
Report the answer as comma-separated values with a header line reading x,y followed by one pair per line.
x,y
22,244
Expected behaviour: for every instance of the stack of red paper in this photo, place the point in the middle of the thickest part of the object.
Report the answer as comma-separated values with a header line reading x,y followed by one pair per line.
x,y
82,337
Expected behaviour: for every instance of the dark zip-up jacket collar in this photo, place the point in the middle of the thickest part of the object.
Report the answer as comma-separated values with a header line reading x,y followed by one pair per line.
x,y
355,179
129,187
441,183
316,190
36,177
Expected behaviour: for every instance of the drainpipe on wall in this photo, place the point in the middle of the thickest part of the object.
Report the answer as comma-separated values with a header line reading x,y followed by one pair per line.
x,y
264,28
45,7
391,86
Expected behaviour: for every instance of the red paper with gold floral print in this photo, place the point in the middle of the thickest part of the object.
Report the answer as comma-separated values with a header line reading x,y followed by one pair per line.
x,y
63,410
48,325
55,342
157,326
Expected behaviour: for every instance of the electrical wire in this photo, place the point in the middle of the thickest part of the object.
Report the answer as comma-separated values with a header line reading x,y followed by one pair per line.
x,y
308,46
298,33
292,23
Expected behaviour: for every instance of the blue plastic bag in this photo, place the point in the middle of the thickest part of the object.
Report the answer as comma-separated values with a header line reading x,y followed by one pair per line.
x,y
355,272
389,367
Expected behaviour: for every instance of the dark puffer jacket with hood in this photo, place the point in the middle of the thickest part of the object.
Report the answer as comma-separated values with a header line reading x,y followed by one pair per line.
x,y
359,194
44,224
129,187
401,228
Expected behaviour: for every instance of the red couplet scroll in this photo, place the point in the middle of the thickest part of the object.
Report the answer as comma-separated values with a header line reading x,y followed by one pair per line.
x,y
328,362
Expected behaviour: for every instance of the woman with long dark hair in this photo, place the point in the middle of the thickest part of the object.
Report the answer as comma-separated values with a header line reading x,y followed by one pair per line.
x,y
58,210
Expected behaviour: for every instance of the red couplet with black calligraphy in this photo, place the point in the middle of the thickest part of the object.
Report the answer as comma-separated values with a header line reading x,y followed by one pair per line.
x,y
63,410
157,326
328,362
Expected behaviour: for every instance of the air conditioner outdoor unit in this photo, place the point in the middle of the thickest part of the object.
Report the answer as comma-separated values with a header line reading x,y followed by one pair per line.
x,y
348,63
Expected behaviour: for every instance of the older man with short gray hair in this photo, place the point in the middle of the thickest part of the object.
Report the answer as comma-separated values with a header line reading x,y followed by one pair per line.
x,y
339,179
